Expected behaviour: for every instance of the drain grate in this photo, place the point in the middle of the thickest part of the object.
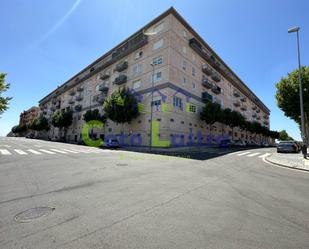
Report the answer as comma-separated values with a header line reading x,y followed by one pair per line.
x,y
33,213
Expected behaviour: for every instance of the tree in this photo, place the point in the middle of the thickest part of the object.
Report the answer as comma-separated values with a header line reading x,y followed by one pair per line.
x,y
4,101
19,129
211,113
94,115
62,120
287,96
39,123
284,136
121,106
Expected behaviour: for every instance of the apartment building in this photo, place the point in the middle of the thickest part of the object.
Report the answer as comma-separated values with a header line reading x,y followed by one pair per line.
x,y
185,72
26,117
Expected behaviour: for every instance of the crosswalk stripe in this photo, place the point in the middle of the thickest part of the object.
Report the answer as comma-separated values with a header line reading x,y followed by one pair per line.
x,y
59,151
253,154
20,152
47,151
5,152
35,152
71,151
242,154
264,155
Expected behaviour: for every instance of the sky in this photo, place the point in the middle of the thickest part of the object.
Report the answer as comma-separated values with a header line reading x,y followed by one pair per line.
x,y
44,43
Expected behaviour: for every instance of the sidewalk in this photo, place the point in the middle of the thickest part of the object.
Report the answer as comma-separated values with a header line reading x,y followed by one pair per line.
x,y
295,161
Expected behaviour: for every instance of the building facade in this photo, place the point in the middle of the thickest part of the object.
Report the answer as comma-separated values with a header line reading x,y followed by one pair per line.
x,y
185,72
26,117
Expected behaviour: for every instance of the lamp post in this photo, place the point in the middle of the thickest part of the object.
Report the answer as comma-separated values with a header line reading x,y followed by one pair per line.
x,y
151,109
292,30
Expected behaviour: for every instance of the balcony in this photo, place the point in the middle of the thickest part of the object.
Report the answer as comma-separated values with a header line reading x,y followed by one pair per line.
x,y
236,103
258,118
236,94
104,76
206,83
243,99
122,66
206,97
254,108
195,44
103,88
258,110
120,79
207,69
216,89
243,108
265,117
78,108
71,101
266,123
100,98
79,98
216,77
80,89
72,93
254,115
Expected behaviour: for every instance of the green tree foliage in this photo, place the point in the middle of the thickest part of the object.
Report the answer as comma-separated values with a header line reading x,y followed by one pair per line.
x,y
121,106
62,119
94,115
287,96
211,113
4,101
40,123
19,128
284,136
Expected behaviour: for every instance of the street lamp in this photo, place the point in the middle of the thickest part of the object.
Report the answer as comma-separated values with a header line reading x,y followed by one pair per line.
x,y
151,102
292,30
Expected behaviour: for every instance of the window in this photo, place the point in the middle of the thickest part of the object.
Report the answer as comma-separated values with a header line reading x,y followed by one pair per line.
x,y
193,71
184,33
156,101
137,84
184,65
193,86
158,44
192,108
138,54
137,69
157,61
184,80
193,57
158,28
184,50
157,77
177,102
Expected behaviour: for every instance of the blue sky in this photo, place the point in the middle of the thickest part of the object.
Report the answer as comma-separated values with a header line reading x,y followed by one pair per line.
x,y
44,43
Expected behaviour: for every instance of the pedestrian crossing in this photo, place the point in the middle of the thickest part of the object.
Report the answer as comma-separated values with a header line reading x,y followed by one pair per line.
x,y
6,151
250,154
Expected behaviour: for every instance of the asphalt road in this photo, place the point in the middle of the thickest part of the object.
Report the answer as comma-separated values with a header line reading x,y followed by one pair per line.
x,y
116,199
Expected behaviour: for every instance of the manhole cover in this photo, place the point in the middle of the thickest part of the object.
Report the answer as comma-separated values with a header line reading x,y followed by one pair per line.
x,y
33,213
122,164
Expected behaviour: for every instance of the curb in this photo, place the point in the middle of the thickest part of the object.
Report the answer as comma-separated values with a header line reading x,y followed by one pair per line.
x,y
283,165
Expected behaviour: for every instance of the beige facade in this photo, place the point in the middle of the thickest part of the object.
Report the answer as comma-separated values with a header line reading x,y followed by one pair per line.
x,y
186,72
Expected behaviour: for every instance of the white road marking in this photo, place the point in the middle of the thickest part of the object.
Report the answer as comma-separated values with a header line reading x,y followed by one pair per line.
x,y
20,152
59,151
71,151
35,152
47,151
244,153
5,152
264,155
8,146
253,154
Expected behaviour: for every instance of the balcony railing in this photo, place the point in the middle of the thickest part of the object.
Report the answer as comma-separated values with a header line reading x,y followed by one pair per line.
x,y
254,107
254,115
206,83
78,108
265,116
266,123
104,76
79,98
80,89
206,97
207,69
243,99
258,118
71,101
216,77
122,66
236,93
258,110
243,107
120,79
72,93
103,88
100,98
216,89
236,103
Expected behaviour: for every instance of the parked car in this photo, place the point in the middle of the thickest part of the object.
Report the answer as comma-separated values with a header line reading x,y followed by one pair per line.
x,y
112,143
240,143
30,136
225,143
287,146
